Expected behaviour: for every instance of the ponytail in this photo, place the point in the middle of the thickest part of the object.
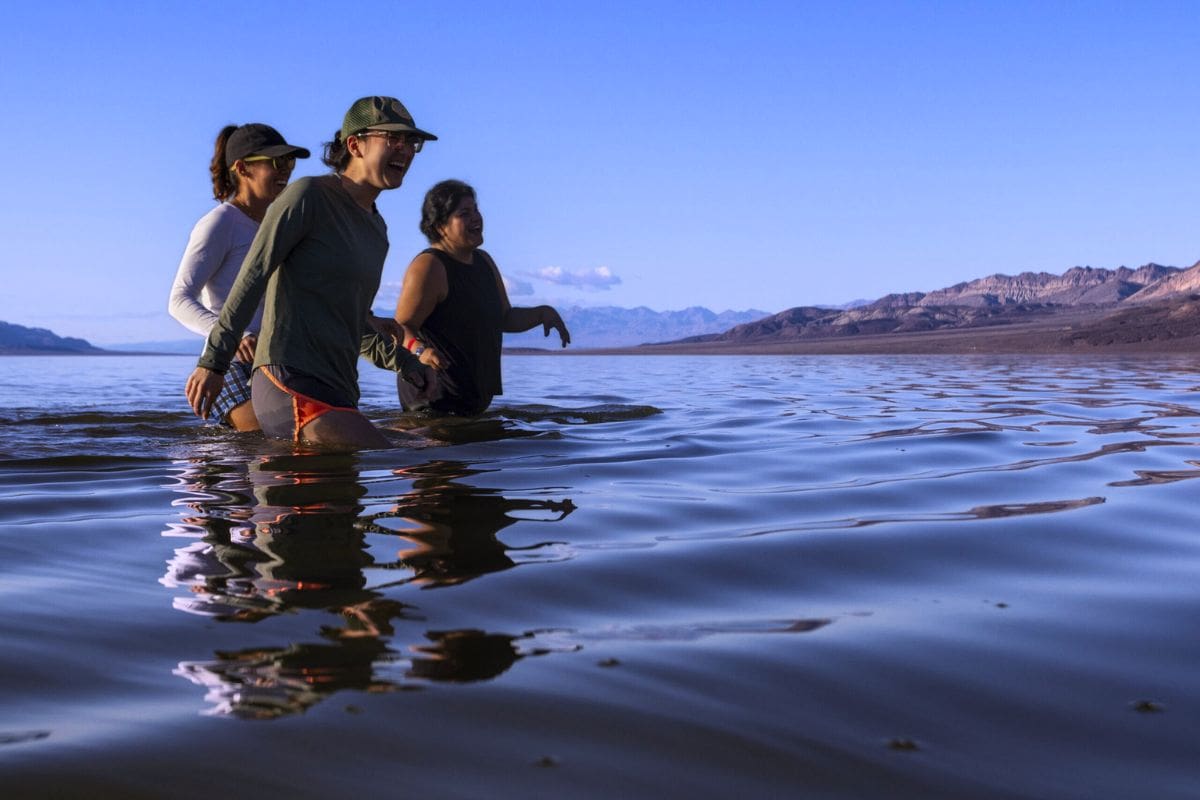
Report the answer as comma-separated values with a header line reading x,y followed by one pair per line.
x,y
337,155
224,182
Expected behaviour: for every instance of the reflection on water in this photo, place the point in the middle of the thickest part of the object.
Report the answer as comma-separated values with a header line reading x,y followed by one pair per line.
x,y
515,422
828,577
268,682
287,534
453,526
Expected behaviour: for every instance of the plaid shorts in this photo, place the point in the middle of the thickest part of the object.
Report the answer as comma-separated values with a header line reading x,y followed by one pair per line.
x,y
235,392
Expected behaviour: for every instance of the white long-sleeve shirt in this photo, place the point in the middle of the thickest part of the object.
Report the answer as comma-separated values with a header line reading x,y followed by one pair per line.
x,y
209,266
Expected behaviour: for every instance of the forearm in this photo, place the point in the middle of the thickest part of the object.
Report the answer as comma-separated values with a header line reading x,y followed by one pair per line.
x,y
200,261
239,310
284,226
410,332
522,318
189,312
380,350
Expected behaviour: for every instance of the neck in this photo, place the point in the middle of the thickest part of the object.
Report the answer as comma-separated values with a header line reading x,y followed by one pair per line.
x,y
359,190
253,207
462,253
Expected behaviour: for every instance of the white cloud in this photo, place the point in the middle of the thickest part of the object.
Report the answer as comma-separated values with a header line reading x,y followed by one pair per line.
x,y
595,279
517,287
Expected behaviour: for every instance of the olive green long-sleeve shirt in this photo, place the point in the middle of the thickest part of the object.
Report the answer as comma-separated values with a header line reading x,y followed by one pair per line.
x,y
317,258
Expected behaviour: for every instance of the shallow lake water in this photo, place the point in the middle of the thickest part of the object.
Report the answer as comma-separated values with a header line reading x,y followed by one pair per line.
x,y
636,576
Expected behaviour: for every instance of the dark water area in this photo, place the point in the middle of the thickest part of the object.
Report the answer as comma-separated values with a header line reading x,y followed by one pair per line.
x,y
951,577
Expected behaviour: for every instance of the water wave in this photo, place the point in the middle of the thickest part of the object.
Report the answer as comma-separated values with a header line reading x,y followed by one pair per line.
x,y
828,576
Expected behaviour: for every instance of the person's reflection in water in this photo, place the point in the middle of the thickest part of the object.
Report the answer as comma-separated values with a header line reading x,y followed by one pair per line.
x,y
275,681
454,526
288,536
464,656
297,547
215,568
271,682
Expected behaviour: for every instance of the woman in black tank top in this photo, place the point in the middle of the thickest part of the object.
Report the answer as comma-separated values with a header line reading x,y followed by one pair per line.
x,y
455,311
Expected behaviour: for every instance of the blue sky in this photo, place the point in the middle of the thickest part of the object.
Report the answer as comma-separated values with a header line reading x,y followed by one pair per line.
x,y
668,154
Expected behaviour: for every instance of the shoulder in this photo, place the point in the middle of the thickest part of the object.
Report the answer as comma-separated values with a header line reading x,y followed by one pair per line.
x,y
427,262
304,191
224,220
300,201
426,274
215,216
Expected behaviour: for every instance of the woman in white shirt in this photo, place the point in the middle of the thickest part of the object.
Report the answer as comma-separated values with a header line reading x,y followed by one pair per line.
x,y
251,165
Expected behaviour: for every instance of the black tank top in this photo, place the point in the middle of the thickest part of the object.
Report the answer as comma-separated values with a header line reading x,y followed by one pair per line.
x,y
467,330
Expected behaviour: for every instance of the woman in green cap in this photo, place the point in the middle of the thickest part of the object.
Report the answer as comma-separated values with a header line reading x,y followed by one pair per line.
x,y
251,165
317,261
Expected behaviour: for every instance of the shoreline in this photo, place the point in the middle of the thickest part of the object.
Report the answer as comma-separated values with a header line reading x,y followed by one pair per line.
x,y
1161,330
1031,343
1172,329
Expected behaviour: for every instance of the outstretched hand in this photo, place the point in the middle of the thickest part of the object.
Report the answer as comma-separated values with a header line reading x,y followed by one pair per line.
x,y
202,388
551,320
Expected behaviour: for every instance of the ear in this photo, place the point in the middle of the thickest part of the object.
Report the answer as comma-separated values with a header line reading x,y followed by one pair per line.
x,y
354,145
239,167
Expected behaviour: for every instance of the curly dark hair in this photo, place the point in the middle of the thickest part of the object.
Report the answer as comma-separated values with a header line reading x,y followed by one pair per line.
x,y
440,202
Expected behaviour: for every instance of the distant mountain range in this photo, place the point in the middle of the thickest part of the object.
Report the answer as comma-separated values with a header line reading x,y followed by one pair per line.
x,y
612,326
19,340
1152,305
1083,305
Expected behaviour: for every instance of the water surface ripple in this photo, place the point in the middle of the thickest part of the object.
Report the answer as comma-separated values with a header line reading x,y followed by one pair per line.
x,y
635,576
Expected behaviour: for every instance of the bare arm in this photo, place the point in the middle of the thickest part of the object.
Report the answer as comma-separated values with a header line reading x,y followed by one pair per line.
x,y
523,318
424,287
518,319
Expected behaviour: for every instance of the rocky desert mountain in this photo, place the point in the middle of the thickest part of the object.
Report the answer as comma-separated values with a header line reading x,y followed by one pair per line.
x,y
1082,306
1184,282
1076,286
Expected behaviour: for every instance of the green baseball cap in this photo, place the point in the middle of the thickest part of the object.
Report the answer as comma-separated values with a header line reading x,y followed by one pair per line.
x,y
380,114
